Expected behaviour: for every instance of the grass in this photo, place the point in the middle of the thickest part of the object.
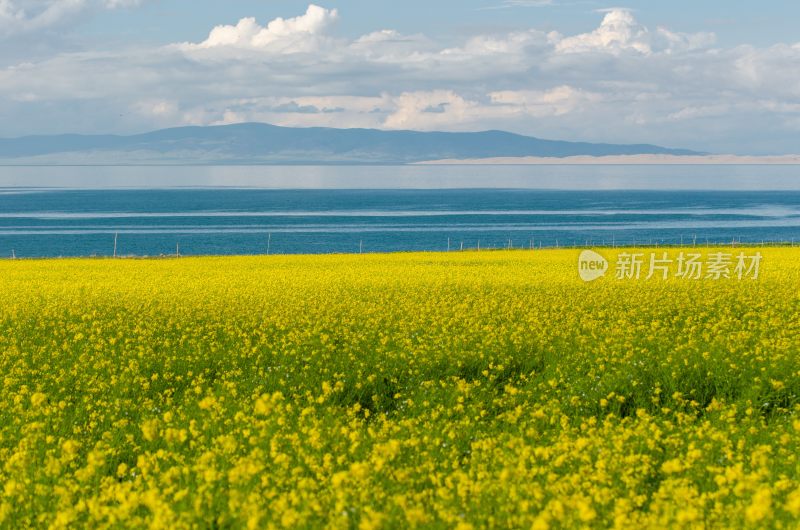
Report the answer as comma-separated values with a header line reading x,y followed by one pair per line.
x,y
461,390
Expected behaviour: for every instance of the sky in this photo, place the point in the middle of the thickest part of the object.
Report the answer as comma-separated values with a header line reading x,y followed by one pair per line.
x,y
716,76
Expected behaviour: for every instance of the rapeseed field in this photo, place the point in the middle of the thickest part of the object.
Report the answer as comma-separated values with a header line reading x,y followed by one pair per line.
x,y
456,391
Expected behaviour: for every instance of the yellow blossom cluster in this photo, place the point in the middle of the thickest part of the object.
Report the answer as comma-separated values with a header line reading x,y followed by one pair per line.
x,y
455,391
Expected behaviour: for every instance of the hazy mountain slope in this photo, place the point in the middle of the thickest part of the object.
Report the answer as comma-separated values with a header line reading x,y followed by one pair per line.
x,y
262,143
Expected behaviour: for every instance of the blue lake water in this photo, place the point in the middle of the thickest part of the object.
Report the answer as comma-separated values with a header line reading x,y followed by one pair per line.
x,y
80,222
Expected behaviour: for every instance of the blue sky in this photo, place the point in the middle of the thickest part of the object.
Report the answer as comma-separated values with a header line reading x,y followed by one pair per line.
x,y
716,76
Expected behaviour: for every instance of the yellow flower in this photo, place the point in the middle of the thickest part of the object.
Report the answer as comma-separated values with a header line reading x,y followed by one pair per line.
x,y
150,429
672,466
540,523
760,506
70,448
793,502
585,511
37,398
371,520
207,402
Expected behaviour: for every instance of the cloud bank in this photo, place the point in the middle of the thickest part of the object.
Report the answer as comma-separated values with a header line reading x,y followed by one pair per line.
x,y
617,82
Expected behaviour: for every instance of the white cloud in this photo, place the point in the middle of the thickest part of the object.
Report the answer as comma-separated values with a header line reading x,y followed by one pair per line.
x,y
384,35
304,111
430,110
157,108
703,111
289,35
18,16
553,102
620,32
26,16
511,43
670,41
390,46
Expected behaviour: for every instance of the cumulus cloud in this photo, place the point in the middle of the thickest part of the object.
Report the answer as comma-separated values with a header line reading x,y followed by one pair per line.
x,y
294,34
619,32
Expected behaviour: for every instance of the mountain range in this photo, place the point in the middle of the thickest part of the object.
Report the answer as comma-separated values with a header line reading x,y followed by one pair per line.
x,y
260,143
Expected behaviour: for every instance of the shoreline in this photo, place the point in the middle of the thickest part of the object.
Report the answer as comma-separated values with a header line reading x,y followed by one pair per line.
x,y
704,246
621,160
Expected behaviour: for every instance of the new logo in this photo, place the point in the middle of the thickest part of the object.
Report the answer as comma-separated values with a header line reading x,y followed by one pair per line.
x,y
591,265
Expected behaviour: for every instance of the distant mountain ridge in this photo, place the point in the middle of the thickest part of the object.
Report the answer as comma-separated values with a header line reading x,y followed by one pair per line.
x,y
260,143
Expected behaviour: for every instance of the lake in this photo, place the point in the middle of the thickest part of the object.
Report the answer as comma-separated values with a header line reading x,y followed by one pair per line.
x,y
80,211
